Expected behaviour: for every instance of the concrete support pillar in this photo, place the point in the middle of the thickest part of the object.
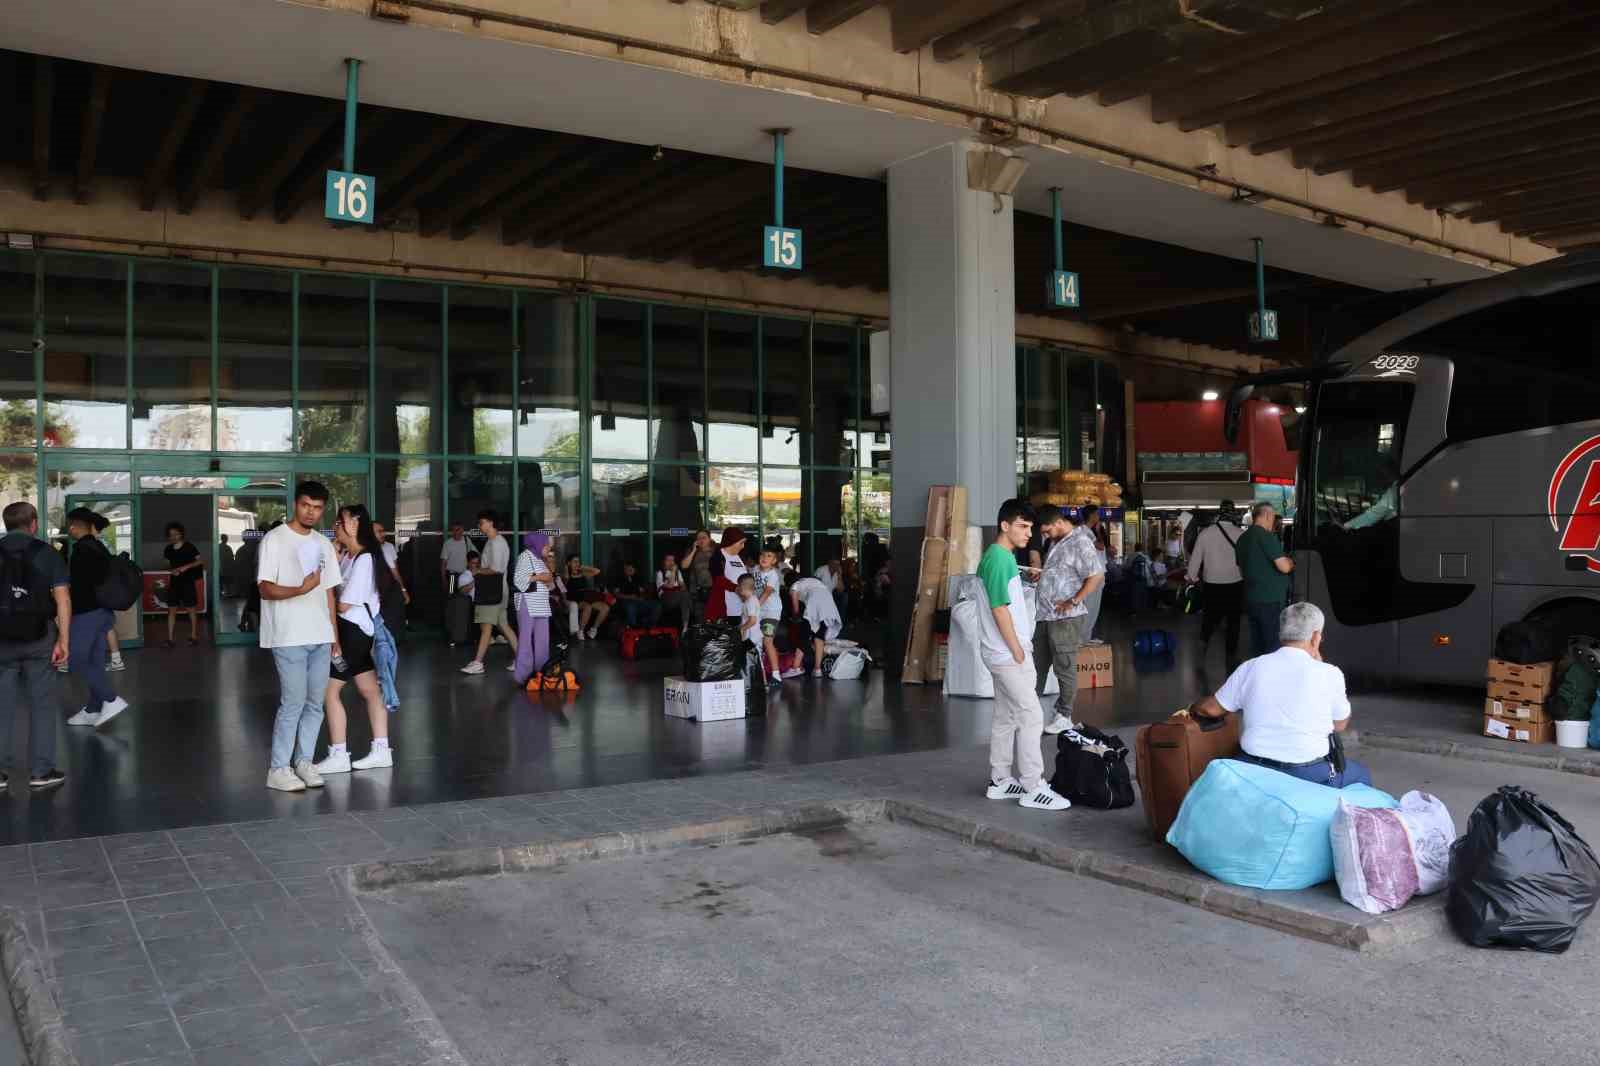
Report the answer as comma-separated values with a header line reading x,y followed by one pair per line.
x,y
952,332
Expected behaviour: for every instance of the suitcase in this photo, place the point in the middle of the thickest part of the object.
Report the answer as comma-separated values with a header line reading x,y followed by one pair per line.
x,y
656,642
458,618
1153,642
1170,756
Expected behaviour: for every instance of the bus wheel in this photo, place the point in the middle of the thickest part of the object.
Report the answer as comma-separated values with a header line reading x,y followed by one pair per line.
x,y
1565,619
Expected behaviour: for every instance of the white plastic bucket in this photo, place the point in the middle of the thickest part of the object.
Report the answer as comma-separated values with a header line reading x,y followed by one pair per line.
x,y
1572,734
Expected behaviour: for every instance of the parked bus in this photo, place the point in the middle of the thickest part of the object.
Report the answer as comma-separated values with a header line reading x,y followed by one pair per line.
x,y
1449,478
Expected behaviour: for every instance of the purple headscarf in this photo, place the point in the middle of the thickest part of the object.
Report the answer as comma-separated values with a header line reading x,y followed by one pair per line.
x,y
536,543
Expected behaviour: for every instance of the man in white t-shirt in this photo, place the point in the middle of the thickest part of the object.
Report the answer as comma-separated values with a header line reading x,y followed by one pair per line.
x,y
453,556
1291,701
391,555
813,602
297,573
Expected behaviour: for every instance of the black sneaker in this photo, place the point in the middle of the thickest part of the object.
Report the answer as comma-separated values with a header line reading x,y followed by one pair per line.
x,y
49,779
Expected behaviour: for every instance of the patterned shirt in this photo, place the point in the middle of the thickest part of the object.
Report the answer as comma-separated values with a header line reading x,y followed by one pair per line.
x,y
1072,560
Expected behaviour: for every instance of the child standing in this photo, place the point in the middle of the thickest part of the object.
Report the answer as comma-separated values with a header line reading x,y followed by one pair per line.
x,y
749,611
769,594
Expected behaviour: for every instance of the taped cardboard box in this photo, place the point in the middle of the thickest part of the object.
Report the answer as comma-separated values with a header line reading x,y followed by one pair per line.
x,y
1519,732
1515,711
1528,677
1516,692
703,701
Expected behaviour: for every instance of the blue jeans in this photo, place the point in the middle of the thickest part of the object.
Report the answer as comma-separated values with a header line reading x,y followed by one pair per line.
x,y
385,657
1263,619
303,672
1321,773
87,654
641,612
28,686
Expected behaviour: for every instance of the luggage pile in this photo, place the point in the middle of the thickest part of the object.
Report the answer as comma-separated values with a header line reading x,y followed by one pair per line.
x,y
1074,488
1515,707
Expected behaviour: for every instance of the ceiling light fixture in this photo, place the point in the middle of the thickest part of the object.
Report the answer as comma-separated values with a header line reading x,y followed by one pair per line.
x,y
1299,408
1209,395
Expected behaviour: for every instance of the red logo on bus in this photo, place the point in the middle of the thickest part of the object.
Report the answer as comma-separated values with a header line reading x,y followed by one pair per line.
x,y
1582,532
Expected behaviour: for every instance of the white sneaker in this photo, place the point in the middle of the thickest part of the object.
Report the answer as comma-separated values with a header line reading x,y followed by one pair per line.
x,y
115,664
110,710
1009,789
83,717
581,635
308,773
1095,641
335,764
1045,798
594,632
1059,724
284,780
474,667
376,759
511,669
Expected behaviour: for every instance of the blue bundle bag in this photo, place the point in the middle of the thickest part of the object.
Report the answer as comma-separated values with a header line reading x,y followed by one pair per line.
x,y
1253,826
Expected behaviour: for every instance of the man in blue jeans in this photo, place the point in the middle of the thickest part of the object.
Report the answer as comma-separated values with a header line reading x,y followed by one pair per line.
x,y
1265,568
298,575
1291,701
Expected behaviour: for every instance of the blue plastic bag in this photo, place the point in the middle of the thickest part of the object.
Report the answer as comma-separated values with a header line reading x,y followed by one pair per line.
x,y
1594,722
1253,826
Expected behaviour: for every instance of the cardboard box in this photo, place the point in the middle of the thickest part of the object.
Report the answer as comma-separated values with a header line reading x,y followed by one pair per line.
x,y
1515,711
1517,692
1528,677
703,701
1094,667
1519,732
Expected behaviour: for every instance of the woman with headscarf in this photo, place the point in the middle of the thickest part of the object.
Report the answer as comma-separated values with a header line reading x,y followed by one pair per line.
x,y
727,567
533,578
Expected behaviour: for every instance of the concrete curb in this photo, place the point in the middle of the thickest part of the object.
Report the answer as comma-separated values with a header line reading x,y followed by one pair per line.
x,y
1419,921
1586,766
525,858
44,1035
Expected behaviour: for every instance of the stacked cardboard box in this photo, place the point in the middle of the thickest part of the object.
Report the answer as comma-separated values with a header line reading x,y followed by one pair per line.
x,y
1515,708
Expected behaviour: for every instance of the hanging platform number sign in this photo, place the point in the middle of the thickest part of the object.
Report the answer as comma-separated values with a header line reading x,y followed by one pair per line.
x,y
781,248
1263,325
1063,288
349,197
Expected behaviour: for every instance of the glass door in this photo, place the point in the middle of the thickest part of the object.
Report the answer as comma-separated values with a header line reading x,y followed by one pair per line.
x,y
242,518
121,536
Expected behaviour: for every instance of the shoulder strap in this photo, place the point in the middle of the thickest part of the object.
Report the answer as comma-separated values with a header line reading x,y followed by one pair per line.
x,y
1233,542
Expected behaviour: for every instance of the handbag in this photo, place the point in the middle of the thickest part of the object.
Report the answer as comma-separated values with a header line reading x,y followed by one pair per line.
x,y
489,590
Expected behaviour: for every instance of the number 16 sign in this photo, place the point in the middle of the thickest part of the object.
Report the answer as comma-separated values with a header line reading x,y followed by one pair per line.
x,y
349,197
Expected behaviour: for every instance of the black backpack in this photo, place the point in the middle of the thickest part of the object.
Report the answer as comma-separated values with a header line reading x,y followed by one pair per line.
x,y
123,585
1092,769
27,602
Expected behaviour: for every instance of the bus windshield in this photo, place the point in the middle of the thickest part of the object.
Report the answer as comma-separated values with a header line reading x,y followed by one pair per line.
x,y
1360,433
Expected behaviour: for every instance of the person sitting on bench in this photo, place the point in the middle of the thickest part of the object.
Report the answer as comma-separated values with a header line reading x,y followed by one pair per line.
x,y
1291,702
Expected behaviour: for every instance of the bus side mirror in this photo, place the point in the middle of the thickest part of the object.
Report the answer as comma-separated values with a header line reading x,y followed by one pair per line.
x,y
1234,411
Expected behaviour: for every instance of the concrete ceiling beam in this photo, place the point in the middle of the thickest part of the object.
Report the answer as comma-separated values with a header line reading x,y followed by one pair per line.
x,y
1531,221
307,182
607,170
44,91
913,24
1491,209
471,207
94,113
1541,175
1008,27
647,200
672,224
411,163
460,158
587,214
177,131
825,15
296,144
217,145
1411,37
1079,56
1437,81
1454,127
1531,147
775,11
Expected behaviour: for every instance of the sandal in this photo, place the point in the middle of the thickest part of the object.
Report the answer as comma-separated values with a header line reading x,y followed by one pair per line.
x,y
168,644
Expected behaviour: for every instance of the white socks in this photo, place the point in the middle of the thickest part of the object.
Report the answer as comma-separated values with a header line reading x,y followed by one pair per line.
x,y
380,743
336,749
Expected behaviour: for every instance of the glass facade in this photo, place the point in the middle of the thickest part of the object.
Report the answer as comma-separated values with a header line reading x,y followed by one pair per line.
x,y
1070,414
625,425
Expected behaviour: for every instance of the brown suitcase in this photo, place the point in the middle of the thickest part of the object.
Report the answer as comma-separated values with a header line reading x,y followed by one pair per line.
x,y
1170,756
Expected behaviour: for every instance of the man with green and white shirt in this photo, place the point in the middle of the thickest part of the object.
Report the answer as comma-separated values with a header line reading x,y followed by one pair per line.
x,y
1007,637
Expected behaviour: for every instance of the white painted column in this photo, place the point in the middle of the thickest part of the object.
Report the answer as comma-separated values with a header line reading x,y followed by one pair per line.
x,y
952,306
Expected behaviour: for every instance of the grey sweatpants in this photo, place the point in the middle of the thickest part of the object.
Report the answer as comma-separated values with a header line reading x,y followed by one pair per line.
x,y
1016,725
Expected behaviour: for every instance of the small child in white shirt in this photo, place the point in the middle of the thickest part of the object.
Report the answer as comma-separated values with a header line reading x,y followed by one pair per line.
x,y
769,594
749,612
465,581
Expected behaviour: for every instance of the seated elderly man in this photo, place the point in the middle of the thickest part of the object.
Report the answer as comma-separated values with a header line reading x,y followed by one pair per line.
x,y
1291,700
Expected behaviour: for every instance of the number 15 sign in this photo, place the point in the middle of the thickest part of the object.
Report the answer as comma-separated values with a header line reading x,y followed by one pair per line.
x,y
349,197
781,248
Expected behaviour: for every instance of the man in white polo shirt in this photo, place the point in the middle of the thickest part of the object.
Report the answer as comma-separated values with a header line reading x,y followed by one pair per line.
x,y
1291,701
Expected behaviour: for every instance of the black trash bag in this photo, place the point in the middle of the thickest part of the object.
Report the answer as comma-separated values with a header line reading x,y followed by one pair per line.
x,y
713,651
1521,877
755,681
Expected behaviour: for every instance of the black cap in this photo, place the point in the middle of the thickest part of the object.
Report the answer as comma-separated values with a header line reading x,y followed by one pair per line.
x,y
88,518
1227,507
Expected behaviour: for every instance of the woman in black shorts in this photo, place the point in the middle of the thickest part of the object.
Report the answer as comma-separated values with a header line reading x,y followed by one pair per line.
x,y
360,602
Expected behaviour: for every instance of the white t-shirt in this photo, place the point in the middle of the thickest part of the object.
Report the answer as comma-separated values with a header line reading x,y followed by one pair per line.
x,y
668,582
733,569
454,555
391,555
285,558
1290,703
359,594
817,605
495,555
829,579
1002,586
464,582
772,606
750,609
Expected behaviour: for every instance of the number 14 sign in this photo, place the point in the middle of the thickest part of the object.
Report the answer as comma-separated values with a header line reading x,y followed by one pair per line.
x,y
781,248
349,197
1063,288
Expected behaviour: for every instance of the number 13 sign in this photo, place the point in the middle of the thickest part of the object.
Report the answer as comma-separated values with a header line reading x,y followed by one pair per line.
x,y
349,197
781,248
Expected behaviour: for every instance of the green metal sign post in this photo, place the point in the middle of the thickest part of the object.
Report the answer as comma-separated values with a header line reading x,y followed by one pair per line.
x,y
1063,282
348,196
1263,322
781,246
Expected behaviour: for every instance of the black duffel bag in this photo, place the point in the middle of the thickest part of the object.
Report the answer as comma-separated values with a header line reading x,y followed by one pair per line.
x,y
1521,877
1092,769
1525,642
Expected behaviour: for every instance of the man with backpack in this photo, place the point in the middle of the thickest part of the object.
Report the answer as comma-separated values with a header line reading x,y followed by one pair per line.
x,y
91,620
1215,567
35,636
